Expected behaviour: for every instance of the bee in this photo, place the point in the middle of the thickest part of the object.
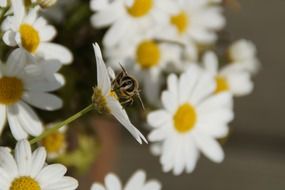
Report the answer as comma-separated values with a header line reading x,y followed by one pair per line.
x,y
126,87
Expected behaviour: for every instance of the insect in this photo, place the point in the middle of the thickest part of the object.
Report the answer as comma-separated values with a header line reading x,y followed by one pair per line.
x,y
126,87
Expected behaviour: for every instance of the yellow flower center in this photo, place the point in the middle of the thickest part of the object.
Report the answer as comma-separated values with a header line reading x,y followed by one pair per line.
x,y
180,21
148,54
54,142
185,118
30,37
99,101
140,8
11,90
25,183
222,84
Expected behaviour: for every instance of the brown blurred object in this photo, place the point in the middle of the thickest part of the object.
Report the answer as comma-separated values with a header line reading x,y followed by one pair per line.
x,y
233,5
108,134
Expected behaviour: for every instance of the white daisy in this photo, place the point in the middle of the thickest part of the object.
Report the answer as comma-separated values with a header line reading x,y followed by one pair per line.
x,y
28,170
196,21
242,53
20,84
32,33
105,99
229,78
146,59
55,143
128,18
136,182
191,120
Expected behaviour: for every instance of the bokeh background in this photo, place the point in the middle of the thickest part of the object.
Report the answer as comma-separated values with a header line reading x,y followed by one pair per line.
x,y
255,151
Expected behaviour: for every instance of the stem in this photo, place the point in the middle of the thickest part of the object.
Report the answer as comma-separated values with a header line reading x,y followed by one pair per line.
x,y
63,123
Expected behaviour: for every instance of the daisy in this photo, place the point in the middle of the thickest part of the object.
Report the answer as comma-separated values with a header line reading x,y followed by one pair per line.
x,y
146,59
191,120
105,99
196,21
242,53
20,84
28,170
32,33
229,78
55,143
136,182
128,18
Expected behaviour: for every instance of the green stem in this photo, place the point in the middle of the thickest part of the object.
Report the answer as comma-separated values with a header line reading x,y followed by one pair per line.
x,y
63,123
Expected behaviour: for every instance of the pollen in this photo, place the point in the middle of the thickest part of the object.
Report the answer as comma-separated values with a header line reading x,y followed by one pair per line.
x,y
11,90
25,183
99,101
148,54
222,84
180,21
30,37
54,142
185,118
140,8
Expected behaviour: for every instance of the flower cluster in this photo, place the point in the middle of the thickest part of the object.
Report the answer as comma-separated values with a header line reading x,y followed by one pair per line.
x,y
169,46
173,43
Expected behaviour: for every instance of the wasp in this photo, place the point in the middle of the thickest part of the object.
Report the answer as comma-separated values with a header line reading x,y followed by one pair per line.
x,y
126,87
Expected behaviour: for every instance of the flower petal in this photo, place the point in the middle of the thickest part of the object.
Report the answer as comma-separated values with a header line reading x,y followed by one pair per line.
x,y
43,100
103,80
136,181
15,124
112,182
54,51
121,115
38,161
23,157
51,174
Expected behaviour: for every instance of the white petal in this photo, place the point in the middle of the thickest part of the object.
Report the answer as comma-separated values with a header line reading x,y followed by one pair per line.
x,y
112,182
97,5
157,135
45,85
23,157
121,115
55,51
169,101
15,123
47,33
18,9
205,86
210,62
7,162
9,38
209,147
5,179
107,16
38,161
51,174
29,120
16,62
65,183
172,84
152,185
116,32
97,186
2,117
136,181
43,100
103,80
158,118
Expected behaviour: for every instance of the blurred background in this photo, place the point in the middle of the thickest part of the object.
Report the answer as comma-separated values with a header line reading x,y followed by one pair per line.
x,y
255,151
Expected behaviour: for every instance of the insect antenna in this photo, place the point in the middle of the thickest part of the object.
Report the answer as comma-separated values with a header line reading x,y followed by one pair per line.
x,y
140,99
